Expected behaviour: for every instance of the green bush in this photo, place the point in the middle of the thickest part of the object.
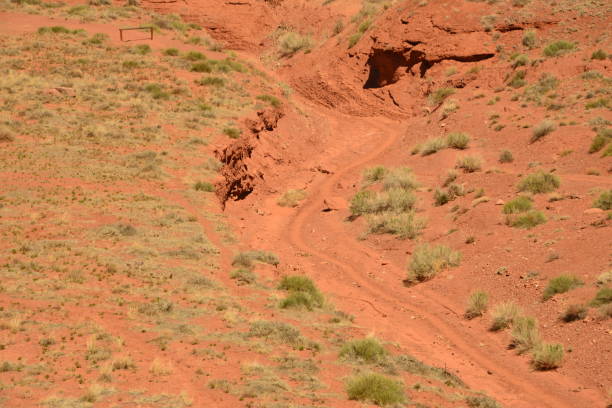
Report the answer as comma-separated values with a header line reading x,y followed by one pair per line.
x,y
529,39
426,261
525,334
432,146
504,314
438,96
368,350
543,129
481,401
243,276
212,81
302,293
396,200
194,56
469,164
603,297
399,178
142,49
405,225
58,30
574,312
539,183
272,100
247,259
232,132
299,300
518,79
506,156
604,201
519,60
477,304
458,140
601,139
375,388
171,52
599,55
561,284
558,48
290,43
547,356
204,186
297,283
598,103
157,91
518,205
374,174
204,67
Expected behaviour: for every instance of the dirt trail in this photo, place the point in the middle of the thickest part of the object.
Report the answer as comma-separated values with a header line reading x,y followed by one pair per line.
x,y
443,340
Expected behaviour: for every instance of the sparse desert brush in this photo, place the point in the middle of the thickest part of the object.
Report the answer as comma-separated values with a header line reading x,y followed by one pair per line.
x,y
6,135
543,129
272,100
399,178
481,401
393,201
432,146
604,201
291,198
503,315
439,95
232,132
547,356
290,43
194,56
518,205
601,139
539,182
282,333
527,220
247,259
375,388
405,225
518,79
525,334
204,186
598,103
469,164
599,55
529,39
477,304
451,176
58,30
302,293
202,67
574,312
605,311
561,284
558,48
426,261
7,366
603,297
157,91
449,107
171,52
142,49
243,276
453,191
367,350
122,363
159,367
374,174
604,278
519,60
458,140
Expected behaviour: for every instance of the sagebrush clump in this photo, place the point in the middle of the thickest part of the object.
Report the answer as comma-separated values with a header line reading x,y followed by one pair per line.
x,y
427,261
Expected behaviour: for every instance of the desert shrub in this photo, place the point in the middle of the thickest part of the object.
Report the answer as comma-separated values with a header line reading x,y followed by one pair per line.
x,y
58,30
477,304
290,43
302,293
247,259
122,363
603,297
543,129
561,284
299,300
282,333
399,178
426,261
396,200
518,79
519,60
142,49
605,311
604,201
529,39
232,132
291,198
411,365
469,164
458,140
506,156
404,225
375,388
525,334
212,81
604,278
598,103
194,56
481,401
547,356
157,91
171,52
439,95
368,350
599,55
601,139
96,39
539,182
272,100
517,205
204,67
558,48
453,191
374,174
574,312
243,276
432,146
6,135
503,315
204,186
